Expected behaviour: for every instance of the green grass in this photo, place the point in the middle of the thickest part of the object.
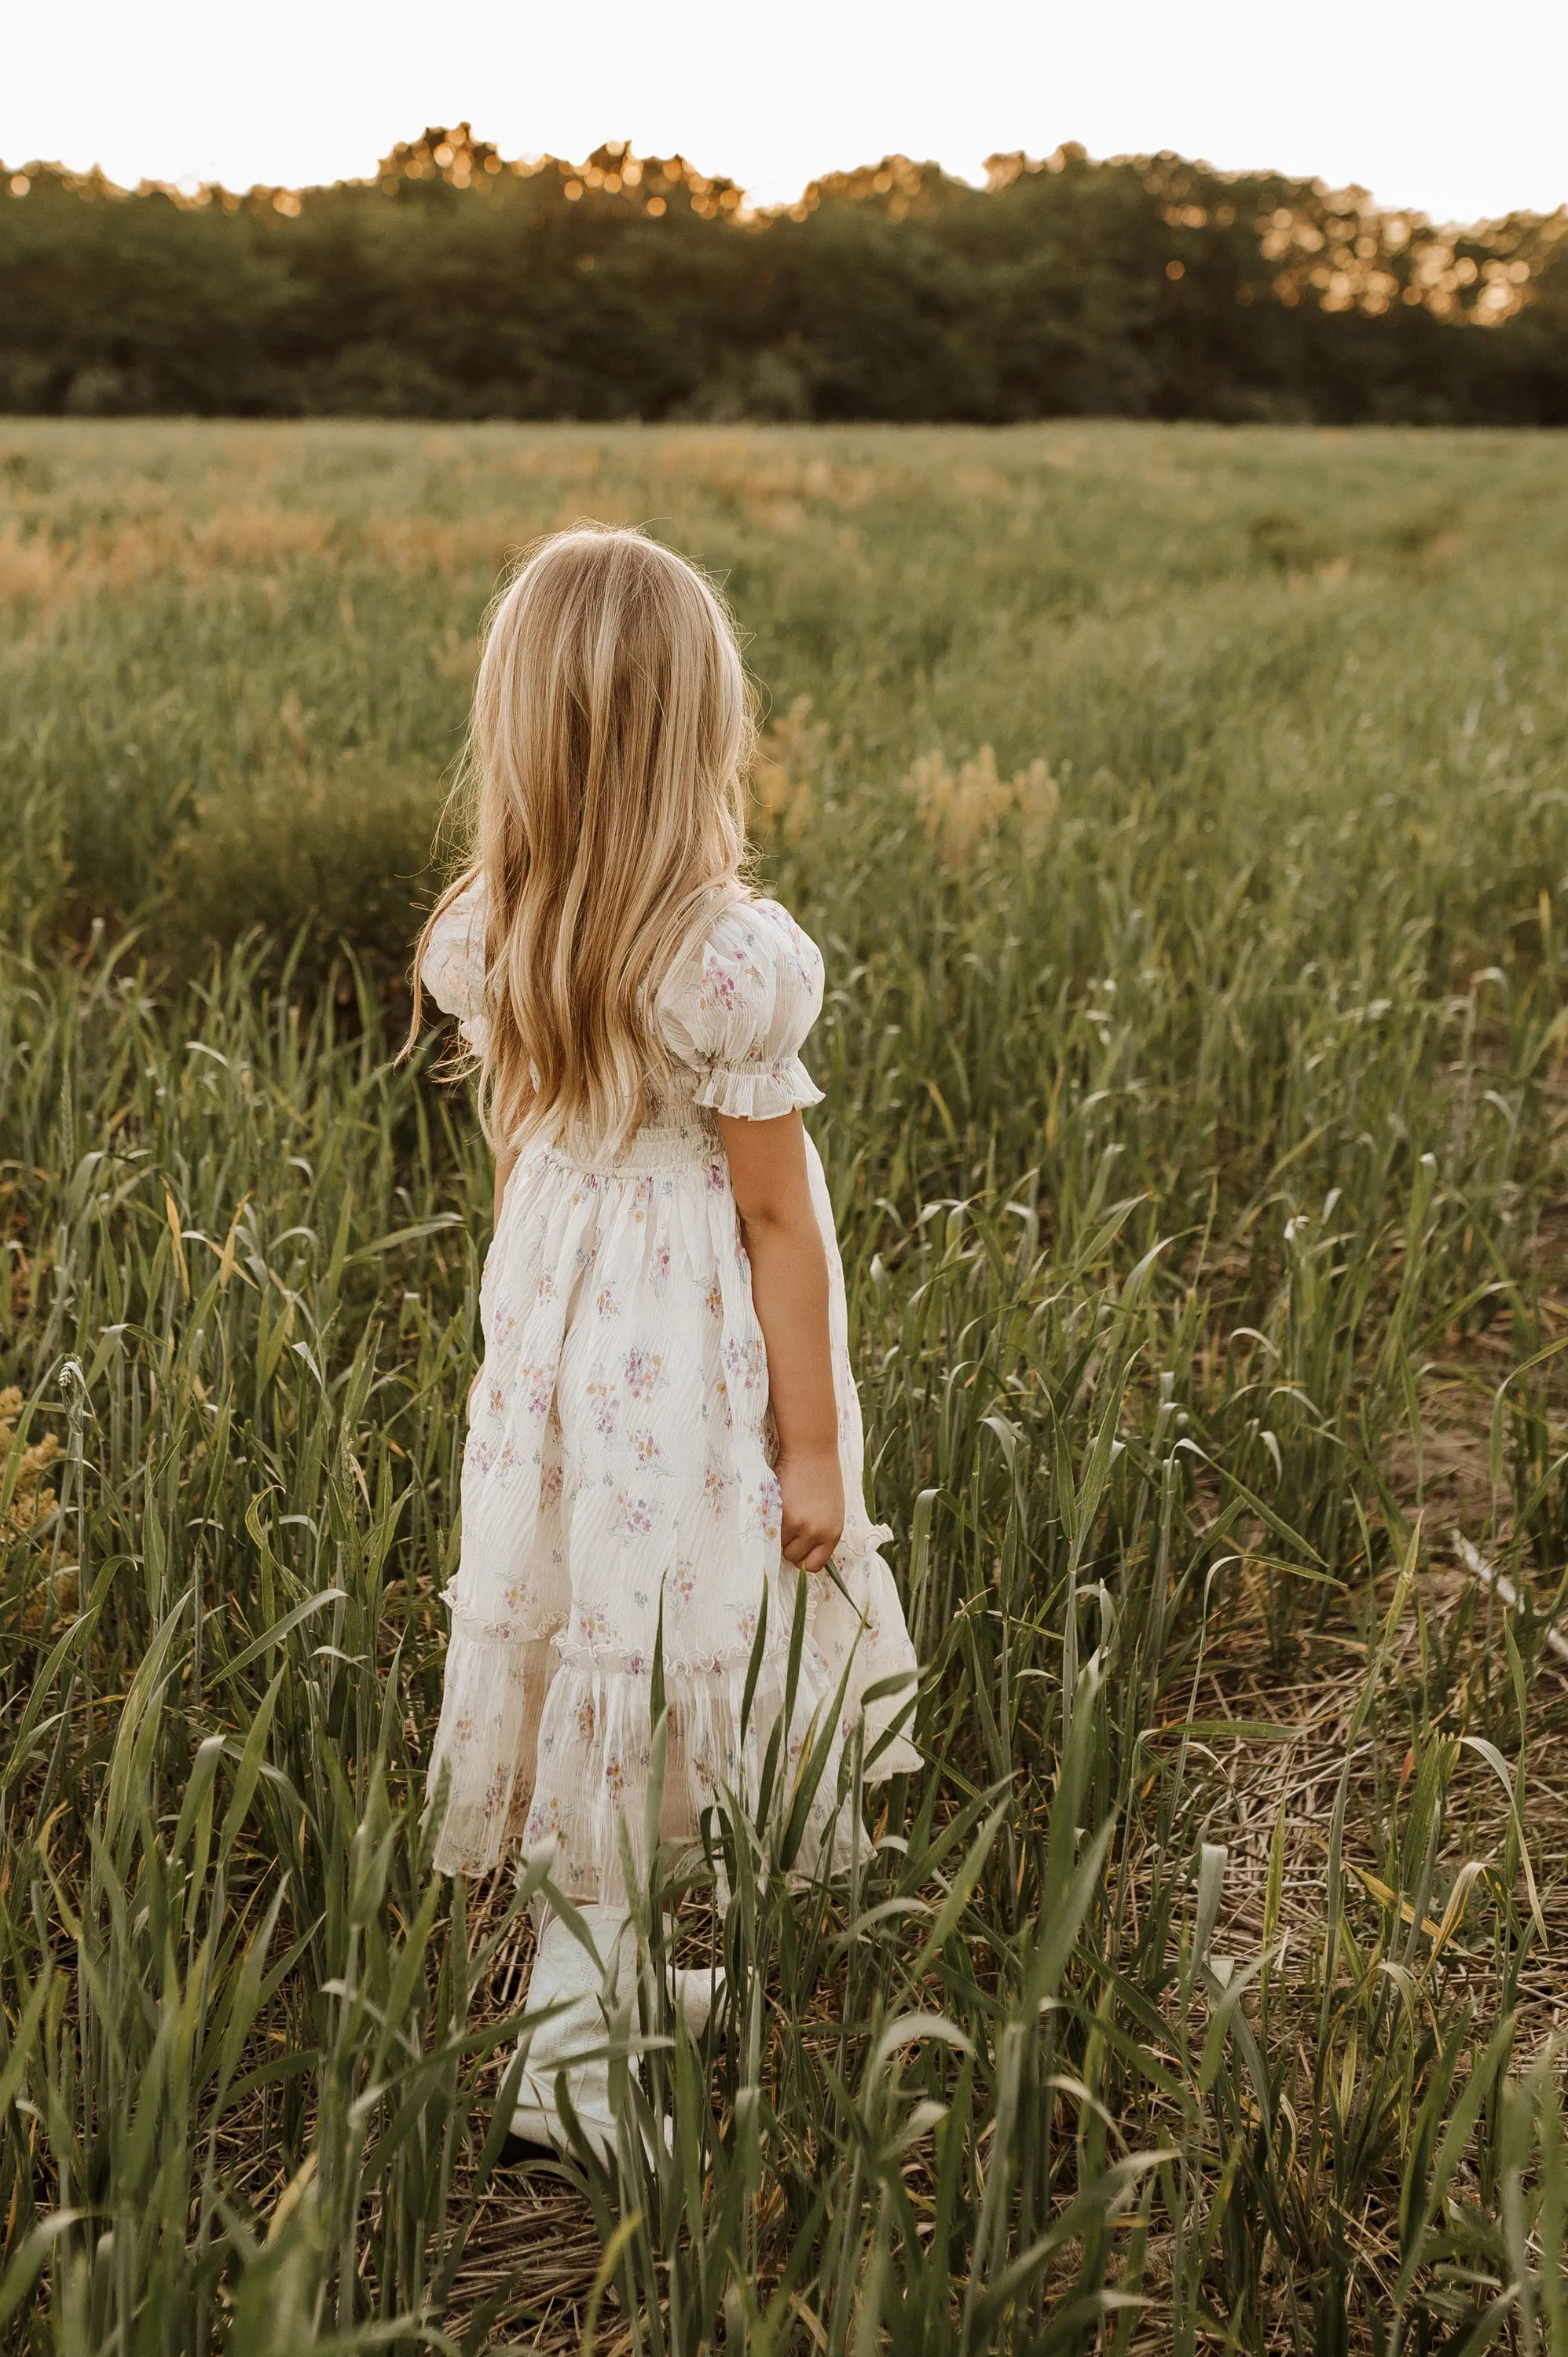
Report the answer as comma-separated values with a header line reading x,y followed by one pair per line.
x,y
1197,1137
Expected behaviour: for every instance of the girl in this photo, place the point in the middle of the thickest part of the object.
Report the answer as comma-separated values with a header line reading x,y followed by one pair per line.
x,y
665,1411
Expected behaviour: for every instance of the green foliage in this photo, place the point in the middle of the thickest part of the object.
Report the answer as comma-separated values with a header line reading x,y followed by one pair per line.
x,y
455,285
347,852
1183,817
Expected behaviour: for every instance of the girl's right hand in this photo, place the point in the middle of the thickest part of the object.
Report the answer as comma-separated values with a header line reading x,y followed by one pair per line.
x,y
812,1486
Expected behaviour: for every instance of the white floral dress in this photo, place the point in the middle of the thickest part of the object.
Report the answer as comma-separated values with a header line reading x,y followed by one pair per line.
x,y
618,1457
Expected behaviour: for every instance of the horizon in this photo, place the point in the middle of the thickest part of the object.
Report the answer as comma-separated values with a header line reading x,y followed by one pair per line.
x,y
1416,113
20,169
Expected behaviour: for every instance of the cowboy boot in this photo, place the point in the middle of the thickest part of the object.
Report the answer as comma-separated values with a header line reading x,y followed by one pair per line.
x,y
567,1980
696,1989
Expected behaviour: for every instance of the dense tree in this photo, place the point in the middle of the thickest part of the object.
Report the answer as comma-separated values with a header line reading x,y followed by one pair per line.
x,y
458,285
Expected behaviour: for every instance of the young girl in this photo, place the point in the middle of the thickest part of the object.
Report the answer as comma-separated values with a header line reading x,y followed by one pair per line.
x,y
666,1413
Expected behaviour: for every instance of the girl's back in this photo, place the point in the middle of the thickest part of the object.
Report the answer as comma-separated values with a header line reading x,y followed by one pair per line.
x,y
664,1433
619,1460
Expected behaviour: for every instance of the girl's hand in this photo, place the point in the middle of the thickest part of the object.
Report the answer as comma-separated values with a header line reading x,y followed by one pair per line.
x,y
812,1485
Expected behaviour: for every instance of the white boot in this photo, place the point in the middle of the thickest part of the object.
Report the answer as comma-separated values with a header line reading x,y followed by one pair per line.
x,y
696,1989
565,1977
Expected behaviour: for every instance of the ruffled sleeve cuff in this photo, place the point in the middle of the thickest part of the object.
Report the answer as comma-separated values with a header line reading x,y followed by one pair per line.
x,y
757,1092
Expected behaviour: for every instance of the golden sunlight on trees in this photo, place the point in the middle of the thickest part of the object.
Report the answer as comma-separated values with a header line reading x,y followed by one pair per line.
x,y
460,283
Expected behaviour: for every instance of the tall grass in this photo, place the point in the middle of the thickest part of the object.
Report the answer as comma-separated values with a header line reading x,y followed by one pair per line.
x,y
1194,1119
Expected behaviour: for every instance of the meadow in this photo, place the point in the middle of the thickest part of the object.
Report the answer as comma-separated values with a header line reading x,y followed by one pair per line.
x,y
1183,814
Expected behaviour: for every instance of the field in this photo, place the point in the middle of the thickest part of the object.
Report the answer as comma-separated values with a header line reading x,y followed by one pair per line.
x,y
1183,817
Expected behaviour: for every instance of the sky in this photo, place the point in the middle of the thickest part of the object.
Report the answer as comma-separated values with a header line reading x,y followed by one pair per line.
x,y
1456,110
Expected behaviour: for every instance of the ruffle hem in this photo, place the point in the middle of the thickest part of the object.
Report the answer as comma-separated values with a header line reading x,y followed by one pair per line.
x,y
548,1748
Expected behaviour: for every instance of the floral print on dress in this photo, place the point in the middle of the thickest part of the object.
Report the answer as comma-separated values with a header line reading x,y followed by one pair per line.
x,y
746,1356
544,1821
715,1484
644,1373
617,1472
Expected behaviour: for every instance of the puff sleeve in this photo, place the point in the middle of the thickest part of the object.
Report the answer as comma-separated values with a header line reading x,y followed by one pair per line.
x,y
454,968
737,1012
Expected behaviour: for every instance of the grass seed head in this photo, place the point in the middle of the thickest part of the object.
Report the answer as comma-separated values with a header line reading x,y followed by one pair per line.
x,y
965,810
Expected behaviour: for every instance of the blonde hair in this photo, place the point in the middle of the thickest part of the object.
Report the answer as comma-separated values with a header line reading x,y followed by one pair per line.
x,y
611,731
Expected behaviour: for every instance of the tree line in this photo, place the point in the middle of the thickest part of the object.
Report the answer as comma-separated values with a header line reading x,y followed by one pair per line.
x,y
457,284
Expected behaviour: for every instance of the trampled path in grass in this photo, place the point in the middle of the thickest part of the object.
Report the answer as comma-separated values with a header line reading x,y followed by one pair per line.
x,y
1184,817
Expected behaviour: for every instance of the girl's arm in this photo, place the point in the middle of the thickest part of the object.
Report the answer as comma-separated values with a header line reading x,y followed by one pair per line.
x,y
789,1288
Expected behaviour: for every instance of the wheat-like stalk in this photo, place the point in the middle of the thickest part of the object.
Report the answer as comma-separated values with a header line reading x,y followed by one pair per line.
x,y
1194,1129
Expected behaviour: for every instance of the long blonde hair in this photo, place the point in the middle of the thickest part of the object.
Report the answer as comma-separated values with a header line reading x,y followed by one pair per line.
x,y
611,731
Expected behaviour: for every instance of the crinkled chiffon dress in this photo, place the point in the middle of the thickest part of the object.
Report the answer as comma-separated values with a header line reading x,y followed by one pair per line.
x,y
619,1459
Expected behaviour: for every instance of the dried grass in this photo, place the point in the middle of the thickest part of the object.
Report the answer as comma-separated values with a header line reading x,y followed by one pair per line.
x,y
964,810
116,559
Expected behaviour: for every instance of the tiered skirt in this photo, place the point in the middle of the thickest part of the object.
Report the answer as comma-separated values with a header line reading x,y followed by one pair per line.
x,y
619,1500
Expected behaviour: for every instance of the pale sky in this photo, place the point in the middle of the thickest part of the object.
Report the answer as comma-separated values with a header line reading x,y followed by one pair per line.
x,y
1457,110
